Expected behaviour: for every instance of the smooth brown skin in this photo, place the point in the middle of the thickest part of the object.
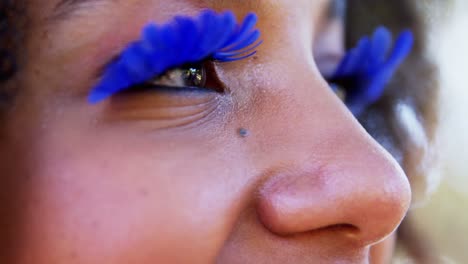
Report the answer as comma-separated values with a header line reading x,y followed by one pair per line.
x,y
164,177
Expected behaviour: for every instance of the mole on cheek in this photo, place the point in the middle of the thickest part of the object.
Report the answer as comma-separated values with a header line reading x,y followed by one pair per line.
x,y
243,133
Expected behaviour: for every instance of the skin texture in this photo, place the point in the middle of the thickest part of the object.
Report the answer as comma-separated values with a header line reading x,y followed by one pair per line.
x,y
165,177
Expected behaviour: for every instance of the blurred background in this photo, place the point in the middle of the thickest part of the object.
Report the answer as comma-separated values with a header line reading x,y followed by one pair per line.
x,y
443,218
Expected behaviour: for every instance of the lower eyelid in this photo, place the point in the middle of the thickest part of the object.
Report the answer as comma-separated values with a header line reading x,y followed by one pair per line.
x,y
165,97
165,110
168,90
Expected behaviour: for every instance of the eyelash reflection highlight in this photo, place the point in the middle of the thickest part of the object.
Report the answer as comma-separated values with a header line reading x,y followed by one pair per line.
x,y
183,40
367,68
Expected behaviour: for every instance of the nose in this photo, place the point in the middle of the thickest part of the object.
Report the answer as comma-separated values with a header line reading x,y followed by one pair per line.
x,y
346,185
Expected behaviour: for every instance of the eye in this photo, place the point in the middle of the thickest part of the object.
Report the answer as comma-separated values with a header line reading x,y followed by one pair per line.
x,y
192,76
360,75
162,49
195,77
367,68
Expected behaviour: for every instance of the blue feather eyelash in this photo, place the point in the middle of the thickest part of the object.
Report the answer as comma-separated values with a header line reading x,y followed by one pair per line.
x,y
183,40
369,67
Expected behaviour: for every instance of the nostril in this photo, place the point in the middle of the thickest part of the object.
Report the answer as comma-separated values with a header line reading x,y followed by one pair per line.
x,y
349,231
344,228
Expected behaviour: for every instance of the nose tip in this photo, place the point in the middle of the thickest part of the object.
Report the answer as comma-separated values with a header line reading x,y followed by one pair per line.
x,y
365,198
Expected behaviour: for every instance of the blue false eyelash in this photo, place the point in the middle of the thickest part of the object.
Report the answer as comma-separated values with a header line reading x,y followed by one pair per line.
x,y
368,67
183,40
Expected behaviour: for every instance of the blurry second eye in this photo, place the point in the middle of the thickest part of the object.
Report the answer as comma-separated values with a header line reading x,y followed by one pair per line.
x,y
339,90
187,76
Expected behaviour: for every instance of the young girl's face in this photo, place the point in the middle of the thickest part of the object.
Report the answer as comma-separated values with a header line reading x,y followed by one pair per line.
x,y
271,169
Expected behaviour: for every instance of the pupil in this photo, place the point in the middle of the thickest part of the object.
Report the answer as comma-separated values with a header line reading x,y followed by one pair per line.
x,y
194,75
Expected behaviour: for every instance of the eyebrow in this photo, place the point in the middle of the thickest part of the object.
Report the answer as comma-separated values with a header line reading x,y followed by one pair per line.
x,y
64,8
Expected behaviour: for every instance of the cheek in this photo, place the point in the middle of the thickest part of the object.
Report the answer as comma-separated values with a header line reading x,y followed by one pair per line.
x,y
119,199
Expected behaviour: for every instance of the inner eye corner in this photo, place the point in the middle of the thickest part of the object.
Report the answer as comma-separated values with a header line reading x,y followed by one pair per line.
x,y
213,81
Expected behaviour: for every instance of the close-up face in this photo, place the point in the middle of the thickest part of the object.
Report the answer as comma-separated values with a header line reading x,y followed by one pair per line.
x,y
263,164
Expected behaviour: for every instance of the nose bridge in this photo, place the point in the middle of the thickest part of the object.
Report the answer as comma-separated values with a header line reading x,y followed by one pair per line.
x,y
331,173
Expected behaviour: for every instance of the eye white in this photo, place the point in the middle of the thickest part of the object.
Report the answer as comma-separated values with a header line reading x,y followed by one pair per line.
x,y
190,76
